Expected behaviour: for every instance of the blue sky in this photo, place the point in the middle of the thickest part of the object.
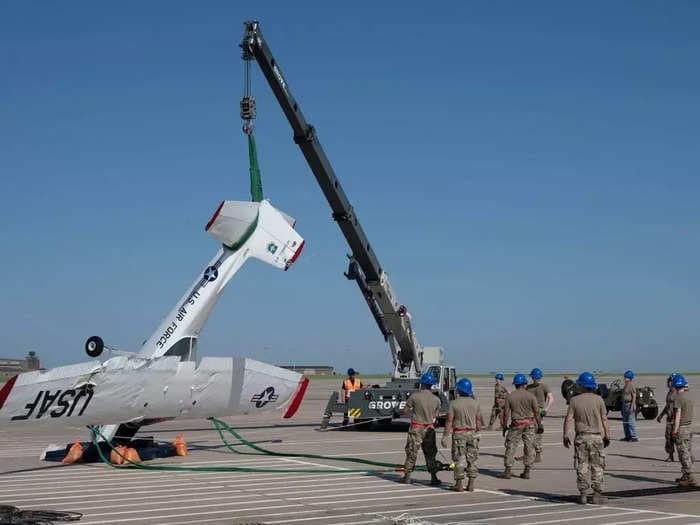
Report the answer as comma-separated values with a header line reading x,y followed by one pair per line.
x,y
527,174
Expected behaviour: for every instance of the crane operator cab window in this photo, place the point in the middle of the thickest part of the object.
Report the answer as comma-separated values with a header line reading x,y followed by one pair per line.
x,y
436,372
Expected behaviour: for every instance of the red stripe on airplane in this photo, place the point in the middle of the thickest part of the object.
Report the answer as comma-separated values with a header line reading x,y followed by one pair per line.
x,y
298,397
5,392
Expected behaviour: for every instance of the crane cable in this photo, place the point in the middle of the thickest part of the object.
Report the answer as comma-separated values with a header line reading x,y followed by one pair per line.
x,y
248,114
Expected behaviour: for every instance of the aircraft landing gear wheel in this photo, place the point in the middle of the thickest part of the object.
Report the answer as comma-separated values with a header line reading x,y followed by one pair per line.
x,y
94,346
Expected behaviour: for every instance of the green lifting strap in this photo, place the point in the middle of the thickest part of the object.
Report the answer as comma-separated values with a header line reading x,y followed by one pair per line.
x,y
256,191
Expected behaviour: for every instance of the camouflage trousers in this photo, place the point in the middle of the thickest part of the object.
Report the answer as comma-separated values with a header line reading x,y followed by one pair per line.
x,y
465,453
669,445
421,438
495,413
539,446
589,457
684,448
526,434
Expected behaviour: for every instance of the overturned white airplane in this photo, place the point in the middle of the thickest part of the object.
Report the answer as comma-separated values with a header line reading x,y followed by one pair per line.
x,y
165,380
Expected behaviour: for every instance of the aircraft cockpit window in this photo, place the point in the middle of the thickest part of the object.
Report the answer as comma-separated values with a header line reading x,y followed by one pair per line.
x,y
185,349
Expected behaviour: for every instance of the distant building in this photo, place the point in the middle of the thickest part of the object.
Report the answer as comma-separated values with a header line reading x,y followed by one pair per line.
x,y
310,370
17,366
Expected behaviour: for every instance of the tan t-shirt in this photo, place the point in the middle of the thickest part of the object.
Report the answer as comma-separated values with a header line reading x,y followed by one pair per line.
x,y
588,411
540,391
522,404
685,405
422,407
465,412
628,393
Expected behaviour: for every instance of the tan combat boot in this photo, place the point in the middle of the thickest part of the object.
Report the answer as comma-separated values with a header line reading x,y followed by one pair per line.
x,y
506,474
538,458
583,499
598,499
458,486
687,482
406,478
526,473
470,485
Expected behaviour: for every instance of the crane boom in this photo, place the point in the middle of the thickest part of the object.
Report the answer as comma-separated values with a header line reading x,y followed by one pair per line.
x,y
391,317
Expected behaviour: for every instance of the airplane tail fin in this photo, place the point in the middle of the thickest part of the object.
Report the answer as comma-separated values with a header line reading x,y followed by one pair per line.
x,y
267,232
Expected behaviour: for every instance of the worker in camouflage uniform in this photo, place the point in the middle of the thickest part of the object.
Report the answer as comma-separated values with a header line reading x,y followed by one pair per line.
x,y
587,411
524,415
629,408
464,422
499,398
423,407
682,434
545,398
669,445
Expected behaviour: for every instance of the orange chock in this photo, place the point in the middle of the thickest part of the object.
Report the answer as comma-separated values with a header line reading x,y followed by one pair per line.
x,y
180,445
75,453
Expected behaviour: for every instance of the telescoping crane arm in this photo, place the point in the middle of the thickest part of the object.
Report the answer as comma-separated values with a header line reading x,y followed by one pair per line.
x,y
364,268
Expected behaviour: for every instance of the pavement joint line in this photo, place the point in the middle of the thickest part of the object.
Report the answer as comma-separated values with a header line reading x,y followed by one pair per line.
x,y
659,518
226,504
145,500
112,488
340,469
394,491
169,516
192,486
541,505
258,516
474,504
363,500
315,490
121,494
598,516
581,508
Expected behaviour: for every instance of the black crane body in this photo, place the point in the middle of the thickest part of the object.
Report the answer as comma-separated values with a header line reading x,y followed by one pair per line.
x,y
394,322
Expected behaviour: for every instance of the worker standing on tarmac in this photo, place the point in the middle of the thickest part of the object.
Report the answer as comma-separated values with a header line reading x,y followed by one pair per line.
x,y
587,411
464,422
669,445
423,407
629,408
545,398
350,384
521,408
499,398
682,434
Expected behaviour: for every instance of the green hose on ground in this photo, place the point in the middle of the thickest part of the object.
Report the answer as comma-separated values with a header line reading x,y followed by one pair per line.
x,y
222,427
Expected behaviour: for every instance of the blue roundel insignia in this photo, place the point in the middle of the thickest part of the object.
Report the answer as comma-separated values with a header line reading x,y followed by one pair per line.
x,y
211,273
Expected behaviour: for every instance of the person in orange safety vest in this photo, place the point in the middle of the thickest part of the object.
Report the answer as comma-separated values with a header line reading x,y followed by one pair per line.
x,y
350,384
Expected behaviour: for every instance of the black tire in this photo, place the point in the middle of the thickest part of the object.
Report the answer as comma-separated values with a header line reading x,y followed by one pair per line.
x,y
603,390
651,411
94,346
568,389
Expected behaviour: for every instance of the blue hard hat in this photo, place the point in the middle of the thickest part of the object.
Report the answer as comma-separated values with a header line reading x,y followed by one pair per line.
x,y
629,374
679,381
351,372
499,376
536,373
519,379
671,377
464,386
428,379
586,380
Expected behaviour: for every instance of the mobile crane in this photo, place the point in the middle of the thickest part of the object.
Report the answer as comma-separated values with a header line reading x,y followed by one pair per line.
x,y
410,359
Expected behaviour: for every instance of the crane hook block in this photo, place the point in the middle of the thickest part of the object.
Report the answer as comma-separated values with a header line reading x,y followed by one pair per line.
x,y
248,107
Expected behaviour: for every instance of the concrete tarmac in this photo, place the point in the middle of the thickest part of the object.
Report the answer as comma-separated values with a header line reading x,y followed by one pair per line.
x,y
640,485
